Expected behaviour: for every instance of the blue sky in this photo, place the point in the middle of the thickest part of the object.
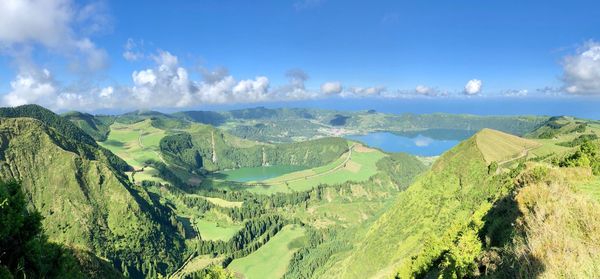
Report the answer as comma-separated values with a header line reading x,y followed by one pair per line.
x,y
354,49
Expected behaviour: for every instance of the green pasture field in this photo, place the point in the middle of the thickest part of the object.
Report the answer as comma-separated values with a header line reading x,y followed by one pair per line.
x,y
360,167
135,143
272,259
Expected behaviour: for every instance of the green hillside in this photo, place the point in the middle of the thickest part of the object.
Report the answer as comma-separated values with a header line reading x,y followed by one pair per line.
x,y
212,149
299,124
95,126
86,201
449,194
348,211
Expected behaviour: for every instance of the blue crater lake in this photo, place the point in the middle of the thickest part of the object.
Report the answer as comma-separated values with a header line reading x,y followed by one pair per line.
x,y
419,145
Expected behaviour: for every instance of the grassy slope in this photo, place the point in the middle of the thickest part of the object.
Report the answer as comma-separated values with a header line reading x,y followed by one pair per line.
x,y
85,201
135,143
224,203
214,230
271,260
560,130
456,186
591,188
558,232
96,126
499,147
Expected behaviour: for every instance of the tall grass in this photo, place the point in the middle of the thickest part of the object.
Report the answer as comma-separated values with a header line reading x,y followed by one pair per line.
x,y
560,229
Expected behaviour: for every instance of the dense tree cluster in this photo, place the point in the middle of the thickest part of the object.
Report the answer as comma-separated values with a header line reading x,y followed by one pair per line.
x,y
320,246
211,272
255,233
587,155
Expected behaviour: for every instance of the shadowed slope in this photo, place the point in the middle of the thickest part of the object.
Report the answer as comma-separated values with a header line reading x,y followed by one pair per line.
x,y
450,193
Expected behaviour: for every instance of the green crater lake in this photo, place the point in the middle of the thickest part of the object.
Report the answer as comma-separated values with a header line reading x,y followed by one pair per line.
x,y
257,173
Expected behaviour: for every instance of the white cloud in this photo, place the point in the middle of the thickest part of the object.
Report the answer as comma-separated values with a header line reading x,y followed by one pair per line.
x,y
50,23
422,89
166,59
516,93
31,88
550,91
107,92
255,90
297,77
473,87
143,78
132,52
331,87
213,76
582,70
168,85
363,91
43,21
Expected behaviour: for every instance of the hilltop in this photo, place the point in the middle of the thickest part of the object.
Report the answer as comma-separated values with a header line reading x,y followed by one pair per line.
x,y
496,146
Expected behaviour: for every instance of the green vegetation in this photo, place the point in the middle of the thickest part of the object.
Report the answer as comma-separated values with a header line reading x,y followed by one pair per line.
x,y
501,147
97,127
587,155
556,126
212,272
87,147
284,125
495,206
357,166
135,143
25,251
257,174
440,207
212,150
277,253
215,230
86,201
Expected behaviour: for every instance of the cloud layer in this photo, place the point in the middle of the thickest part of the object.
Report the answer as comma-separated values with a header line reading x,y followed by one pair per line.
x,y
331,87
165,85
49,23
68,28
582,70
